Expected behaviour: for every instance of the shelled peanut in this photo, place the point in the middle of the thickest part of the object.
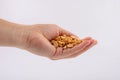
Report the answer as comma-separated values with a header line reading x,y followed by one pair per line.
x,y
65,41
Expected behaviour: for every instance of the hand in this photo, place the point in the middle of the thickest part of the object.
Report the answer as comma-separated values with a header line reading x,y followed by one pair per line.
x,y
36,40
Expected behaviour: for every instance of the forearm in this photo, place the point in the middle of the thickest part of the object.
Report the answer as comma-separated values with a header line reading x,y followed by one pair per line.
x,y
9,34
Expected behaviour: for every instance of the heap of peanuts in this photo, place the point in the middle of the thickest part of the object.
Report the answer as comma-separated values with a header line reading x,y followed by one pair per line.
x,y
65,41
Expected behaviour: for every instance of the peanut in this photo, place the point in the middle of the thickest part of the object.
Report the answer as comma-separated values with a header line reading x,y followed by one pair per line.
x,y
65,41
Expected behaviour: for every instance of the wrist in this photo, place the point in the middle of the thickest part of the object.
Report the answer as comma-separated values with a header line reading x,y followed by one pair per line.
x,y
11,34
18,36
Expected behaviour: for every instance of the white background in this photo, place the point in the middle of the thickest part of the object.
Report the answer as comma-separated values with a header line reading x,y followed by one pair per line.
x,y
97,18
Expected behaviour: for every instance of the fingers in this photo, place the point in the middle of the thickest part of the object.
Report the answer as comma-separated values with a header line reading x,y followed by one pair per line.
x,y
90,46
60,53
69,51
79,52
75,51
87,38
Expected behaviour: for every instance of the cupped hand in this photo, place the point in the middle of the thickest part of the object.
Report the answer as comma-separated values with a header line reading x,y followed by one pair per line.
x,y
37,38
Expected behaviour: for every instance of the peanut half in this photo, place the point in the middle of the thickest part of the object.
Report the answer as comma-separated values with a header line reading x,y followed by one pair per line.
x,y
65,41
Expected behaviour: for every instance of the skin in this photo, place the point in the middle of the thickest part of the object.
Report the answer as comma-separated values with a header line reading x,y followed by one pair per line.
x,y
35,39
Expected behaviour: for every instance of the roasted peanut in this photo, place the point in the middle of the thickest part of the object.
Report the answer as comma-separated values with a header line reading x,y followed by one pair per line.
x,y
65,41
